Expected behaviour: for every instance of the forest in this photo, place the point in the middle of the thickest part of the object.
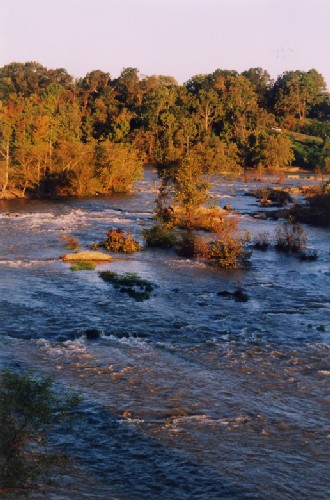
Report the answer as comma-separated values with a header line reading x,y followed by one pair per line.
x,y
61,136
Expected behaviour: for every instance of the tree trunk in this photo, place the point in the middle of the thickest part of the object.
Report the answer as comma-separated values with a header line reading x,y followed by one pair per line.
x,y
6,157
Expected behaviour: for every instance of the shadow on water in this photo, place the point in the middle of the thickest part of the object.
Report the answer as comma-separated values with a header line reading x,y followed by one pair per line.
x,y
133,464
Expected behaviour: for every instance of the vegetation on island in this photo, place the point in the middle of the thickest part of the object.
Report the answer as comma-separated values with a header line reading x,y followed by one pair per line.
x,y
121,241
83,265
132,284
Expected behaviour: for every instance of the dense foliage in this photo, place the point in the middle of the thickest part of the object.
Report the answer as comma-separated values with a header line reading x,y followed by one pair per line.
x,y
29,410
60,136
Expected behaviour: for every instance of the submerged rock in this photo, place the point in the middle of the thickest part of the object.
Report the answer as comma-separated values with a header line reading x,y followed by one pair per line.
x,y
238,295
267,196
130,283
92,334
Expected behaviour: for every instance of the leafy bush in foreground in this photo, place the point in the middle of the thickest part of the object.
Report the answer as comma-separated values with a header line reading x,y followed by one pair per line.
x,y
29,410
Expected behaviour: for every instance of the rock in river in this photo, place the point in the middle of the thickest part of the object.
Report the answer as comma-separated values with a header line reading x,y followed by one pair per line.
x,y
89,256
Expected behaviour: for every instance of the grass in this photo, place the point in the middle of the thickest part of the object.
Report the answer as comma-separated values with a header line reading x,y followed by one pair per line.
x,y
304,137
83,265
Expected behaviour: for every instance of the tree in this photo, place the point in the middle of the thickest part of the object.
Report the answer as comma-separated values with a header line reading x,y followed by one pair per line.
x,y
8,118
208,108
25,79
261,83
158,119
118,166
128,88
73,170
188,178
274,152
296,92
191,186
323,160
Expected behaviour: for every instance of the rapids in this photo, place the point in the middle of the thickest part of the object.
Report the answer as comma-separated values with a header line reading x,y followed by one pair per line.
x,y
188,395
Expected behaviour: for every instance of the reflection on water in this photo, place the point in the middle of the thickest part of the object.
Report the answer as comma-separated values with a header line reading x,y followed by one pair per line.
x,y
189,394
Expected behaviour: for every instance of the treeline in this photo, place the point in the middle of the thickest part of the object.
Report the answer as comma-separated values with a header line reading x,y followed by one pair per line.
x,y
62,136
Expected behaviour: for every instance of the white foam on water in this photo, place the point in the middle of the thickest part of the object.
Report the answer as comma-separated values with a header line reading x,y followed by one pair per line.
x,y
131,421
185,263
27,264
178,423
62,348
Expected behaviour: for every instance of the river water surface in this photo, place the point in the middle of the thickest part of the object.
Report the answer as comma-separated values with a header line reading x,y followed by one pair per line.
x,y
188,395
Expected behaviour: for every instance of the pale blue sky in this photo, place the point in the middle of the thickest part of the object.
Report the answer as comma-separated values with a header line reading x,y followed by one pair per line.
x,y
180,38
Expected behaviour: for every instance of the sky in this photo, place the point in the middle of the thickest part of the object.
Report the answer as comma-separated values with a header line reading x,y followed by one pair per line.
x,y
181,38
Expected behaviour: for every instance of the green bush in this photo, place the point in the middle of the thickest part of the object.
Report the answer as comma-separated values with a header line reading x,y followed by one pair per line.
x,y
29,410
159,236
82,265
307,154
130,283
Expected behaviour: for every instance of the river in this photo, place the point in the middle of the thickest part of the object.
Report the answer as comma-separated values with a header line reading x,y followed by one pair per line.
x,y
188,395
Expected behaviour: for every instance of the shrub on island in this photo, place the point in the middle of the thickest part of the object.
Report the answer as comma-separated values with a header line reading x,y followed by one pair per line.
x,y
261,241
225,251
190,245
159,236
291,238
71,243
119,241
229,252
209,219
